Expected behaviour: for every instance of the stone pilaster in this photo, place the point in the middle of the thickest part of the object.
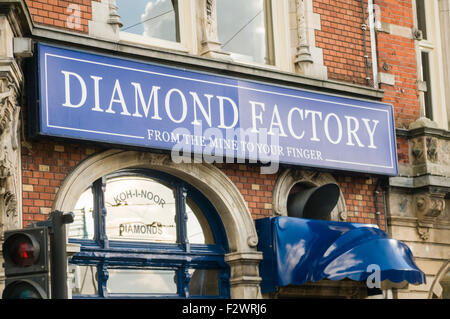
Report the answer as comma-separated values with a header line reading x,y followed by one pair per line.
x,y
303,55
308,58
15,23
244,279
105,21
210,45
10,181
418,204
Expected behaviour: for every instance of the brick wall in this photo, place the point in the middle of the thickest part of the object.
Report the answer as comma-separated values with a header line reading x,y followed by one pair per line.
x,y
45,165
256,188
397,56
360,199
397,12
71,15
342,40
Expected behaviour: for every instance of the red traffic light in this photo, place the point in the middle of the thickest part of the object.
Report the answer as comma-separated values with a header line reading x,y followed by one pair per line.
x,y
21,249
25,253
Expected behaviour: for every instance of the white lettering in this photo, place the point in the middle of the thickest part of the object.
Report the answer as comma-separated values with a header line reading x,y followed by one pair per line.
x,y
291,130
352,131
68,102
370,131
96,93
256,116
183,104
222,114
327,132
313,121
277,123
206,115
117,90
146,107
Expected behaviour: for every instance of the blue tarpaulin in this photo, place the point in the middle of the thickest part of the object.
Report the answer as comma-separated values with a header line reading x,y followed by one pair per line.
x,y
298,250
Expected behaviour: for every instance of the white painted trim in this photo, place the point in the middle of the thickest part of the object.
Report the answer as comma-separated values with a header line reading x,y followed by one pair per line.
x,y
433,45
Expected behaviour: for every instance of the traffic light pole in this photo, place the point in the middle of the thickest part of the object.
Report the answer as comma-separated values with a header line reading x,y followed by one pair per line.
x,y
58,264
58,257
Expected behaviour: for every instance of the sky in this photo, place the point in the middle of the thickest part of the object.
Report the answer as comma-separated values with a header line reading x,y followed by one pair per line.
x,y
240,24
152,18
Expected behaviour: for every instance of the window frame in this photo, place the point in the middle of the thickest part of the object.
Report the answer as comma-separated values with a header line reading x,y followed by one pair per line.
x,y
432,46
181,256
186,31
276,35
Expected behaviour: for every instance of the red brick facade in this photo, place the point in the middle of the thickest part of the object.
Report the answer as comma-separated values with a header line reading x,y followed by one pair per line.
x,y
46,164
342,40
59,13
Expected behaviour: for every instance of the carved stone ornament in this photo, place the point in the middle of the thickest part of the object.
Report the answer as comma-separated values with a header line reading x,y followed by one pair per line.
x,y
114,17
428,208
211,25
417,151
424,232
9,182
432,146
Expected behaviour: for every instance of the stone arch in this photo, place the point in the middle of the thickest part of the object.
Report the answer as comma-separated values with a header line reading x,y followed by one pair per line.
x,y
290,177
243,257
436,288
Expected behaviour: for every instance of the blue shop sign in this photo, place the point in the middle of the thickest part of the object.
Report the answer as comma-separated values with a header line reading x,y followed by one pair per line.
x,y
120,101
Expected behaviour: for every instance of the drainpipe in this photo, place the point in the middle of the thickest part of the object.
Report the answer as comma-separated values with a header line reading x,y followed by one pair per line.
x,y
364,28
373,43
376,192
385,206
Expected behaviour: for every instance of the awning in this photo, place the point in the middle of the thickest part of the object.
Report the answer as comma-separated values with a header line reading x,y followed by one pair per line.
x,y
298,250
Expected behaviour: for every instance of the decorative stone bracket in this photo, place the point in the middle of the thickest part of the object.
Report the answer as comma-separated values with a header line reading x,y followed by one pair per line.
x,y
429,148
427,208
424,149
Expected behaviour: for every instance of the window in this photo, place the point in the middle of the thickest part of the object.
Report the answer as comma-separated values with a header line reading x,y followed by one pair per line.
x,y
430,62
146,234
421,18
245,30
160,23
151,18
427,102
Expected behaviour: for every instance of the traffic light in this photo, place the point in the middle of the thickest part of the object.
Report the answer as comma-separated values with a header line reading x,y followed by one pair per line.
x,y
25,253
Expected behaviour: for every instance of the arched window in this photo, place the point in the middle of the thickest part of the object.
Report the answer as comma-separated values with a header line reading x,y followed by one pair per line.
x,y
145,233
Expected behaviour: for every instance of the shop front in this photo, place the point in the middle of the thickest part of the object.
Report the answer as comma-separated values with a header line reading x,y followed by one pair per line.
x,y
156,215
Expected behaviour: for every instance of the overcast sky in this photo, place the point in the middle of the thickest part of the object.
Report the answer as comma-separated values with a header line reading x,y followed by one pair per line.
x,y
234,15
152,18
